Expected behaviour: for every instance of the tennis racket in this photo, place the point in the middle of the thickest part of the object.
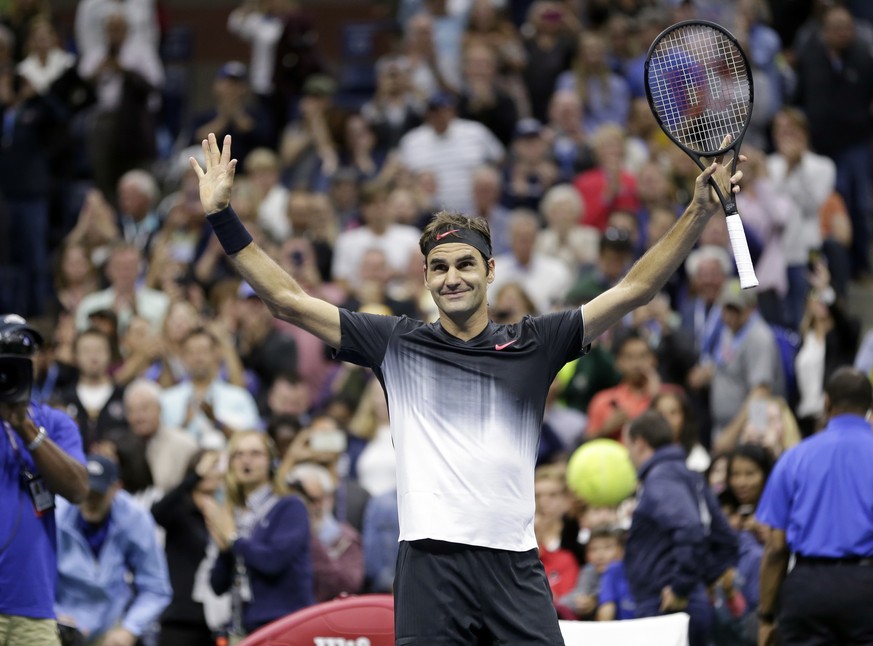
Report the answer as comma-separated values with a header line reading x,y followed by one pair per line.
x,y
699,87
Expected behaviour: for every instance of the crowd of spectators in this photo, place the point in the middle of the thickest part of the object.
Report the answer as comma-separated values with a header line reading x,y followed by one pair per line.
x,y
531,115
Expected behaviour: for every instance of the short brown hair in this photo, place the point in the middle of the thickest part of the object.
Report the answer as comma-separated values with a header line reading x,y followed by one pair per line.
x,y
453,219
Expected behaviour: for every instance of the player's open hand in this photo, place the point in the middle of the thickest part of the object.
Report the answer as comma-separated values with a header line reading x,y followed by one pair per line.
x,y
217,181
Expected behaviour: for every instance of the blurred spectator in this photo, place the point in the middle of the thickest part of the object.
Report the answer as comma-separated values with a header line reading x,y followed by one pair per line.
x,y
839,60
604,548
190,620
206,405
428,72
168,450
746,357
289,395
264,349
550,46
75,276
605,95
836,232
262,166
566,134
138,219
511,303
113,581
487,185
487,24
708,268
297,58
233,114
263,537
46,61
763,419
309,144
377,286
18,16
361,154
337,555
323,442
767,213
552,502
546,279
482,99
395,108
375,468
679,540
124,296
614,257
260,23
530,170
126,78
676,409
379,536
612,408
452,149
608,186
808,179
141,17
399,242
94,400
830,337
25,182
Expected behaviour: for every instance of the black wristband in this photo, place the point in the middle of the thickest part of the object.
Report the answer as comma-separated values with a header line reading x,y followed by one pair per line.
x,y
229,230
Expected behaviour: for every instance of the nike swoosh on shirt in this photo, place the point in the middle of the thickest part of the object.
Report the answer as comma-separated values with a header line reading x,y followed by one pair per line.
x,y
442,235
501,346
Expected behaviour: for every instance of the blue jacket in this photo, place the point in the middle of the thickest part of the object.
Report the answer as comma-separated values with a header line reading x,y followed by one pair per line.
x,y
94,591
667,543
278,562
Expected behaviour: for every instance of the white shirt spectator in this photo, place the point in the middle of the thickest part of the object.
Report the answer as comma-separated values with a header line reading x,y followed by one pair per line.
x,y
809,184
151,305
398,243
273,213
143,35
452,157
262,31
233,406
41,76
545,280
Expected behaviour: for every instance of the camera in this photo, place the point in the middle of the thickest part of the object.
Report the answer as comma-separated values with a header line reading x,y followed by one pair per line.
x,y
18,343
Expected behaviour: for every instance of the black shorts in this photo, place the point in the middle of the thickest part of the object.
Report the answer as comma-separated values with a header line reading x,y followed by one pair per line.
x,y
448,594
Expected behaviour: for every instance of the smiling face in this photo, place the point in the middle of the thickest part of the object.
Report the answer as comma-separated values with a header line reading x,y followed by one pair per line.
x,y
457,278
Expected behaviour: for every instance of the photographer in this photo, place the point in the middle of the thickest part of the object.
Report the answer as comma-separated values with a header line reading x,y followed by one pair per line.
x,y
40,456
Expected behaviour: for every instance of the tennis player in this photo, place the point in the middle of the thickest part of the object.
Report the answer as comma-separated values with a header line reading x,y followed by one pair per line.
x,y
467,398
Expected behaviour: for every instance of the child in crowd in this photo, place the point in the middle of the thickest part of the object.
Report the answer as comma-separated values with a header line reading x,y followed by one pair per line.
x,y
604,548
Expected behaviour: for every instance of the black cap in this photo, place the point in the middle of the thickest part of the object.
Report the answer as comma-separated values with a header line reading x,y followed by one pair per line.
x,y
17,337
528,128
102,473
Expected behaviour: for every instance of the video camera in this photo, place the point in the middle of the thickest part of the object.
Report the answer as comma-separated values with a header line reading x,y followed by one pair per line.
x,y
18,343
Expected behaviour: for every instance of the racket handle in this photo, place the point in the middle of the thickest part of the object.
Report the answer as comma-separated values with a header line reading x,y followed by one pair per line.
x,y
740,246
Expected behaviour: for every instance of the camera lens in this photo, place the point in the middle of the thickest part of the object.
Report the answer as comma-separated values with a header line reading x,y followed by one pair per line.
x,y
16,379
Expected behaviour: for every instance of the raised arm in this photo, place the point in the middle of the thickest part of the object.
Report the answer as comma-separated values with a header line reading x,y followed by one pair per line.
x,y
646,278
279,291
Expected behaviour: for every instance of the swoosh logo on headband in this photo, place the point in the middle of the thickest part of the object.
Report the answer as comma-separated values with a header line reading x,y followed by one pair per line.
x,y
442,235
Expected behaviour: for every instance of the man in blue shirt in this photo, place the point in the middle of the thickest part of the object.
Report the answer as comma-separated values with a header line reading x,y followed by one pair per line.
x,y
40,456
113,581
818,503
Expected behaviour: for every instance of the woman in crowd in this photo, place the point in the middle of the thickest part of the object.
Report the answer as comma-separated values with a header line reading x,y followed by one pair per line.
x,y
262,536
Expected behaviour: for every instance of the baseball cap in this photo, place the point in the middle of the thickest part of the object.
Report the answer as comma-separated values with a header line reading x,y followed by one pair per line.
x,y
319,85
732,295
233,70
440,100
528,128
102,473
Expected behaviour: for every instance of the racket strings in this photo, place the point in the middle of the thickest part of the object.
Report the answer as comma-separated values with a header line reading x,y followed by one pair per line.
x,y
700,87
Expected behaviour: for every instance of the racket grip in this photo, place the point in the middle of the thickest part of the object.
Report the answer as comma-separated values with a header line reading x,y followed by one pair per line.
x,y
740,246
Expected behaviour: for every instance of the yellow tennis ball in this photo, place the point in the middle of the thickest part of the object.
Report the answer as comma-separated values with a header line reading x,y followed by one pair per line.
x,y
600,472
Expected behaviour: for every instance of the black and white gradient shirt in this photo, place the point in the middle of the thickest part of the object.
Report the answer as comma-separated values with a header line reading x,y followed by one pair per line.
x,y
466,418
